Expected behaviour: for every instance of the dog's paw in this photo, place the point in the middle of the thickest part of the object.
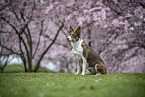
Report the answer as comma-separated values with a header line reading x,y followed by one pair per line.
x,y
82,73
97,74
76,73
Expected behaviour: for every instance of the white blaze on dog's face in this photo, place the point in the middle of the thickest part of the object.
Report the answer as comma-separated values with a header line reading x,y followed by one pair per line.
x,y
74,35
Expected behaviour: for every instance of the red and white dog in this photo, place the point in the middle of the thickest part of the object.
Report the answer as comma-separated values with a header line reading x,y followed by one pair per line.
x,y
85,53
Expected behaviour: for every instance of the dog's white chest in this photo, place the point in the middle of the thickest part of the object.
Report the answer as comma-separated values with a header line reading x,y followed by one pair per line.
x,y
77,48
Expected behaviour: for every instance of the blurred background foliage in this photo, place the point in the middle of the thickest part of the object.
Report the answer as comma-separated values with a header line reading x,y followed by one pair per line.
x,y
35,31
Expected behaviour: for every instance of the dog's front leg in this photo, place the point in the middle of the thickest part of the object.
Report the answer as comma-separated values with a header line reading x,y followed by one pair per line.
x,y
78,66
84,66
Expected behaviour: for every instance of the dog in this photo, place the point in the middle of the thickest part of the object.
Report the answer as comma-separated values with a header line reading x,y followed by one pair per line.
x,y
85,53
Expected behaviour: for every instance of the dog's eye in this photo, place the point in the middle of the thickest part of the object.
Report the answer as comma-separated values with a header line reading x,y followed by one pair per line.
x,y
73,39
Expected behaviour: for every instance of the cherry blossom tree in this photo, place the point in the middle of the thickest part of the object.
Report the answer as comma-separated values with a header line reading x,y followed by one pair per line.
x,y
23,23
133,12
106,27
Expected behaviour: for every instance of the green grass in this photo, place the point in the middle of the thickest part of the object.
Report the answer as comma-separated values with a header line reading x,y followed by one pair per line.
x,y
70,85
14,68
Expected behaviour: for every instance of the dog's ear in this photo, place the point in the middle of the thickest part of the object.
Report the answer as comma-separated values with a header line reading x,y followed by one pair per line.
x,y
71,29
78,31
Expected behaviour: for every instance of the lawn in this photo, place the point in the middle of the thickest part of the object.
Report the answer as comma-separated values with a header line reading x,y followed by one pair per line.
x,y
70,85
20,68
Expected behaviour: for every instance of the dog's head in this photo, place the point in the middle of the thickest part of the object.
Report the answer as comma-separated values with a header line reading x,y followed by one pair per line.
x,y
74,36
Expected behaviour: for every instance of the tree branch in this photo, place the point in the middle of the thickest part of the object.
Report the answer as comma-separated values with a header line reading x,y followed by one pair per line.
x,y
10,50
38,64
10,24
15,14
38,39
3,7
62,31
4,32
56,42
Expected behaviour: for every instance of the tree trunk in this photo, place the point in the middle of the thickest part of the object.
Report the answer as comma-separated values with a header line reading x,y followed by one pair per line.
x,y
2,68
29,66
89,37
24,63
25,67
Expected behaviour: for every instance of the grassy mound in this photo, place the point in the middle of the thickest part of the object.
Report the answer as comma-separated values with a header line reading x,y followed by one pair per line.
x,y
70,85
20,68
